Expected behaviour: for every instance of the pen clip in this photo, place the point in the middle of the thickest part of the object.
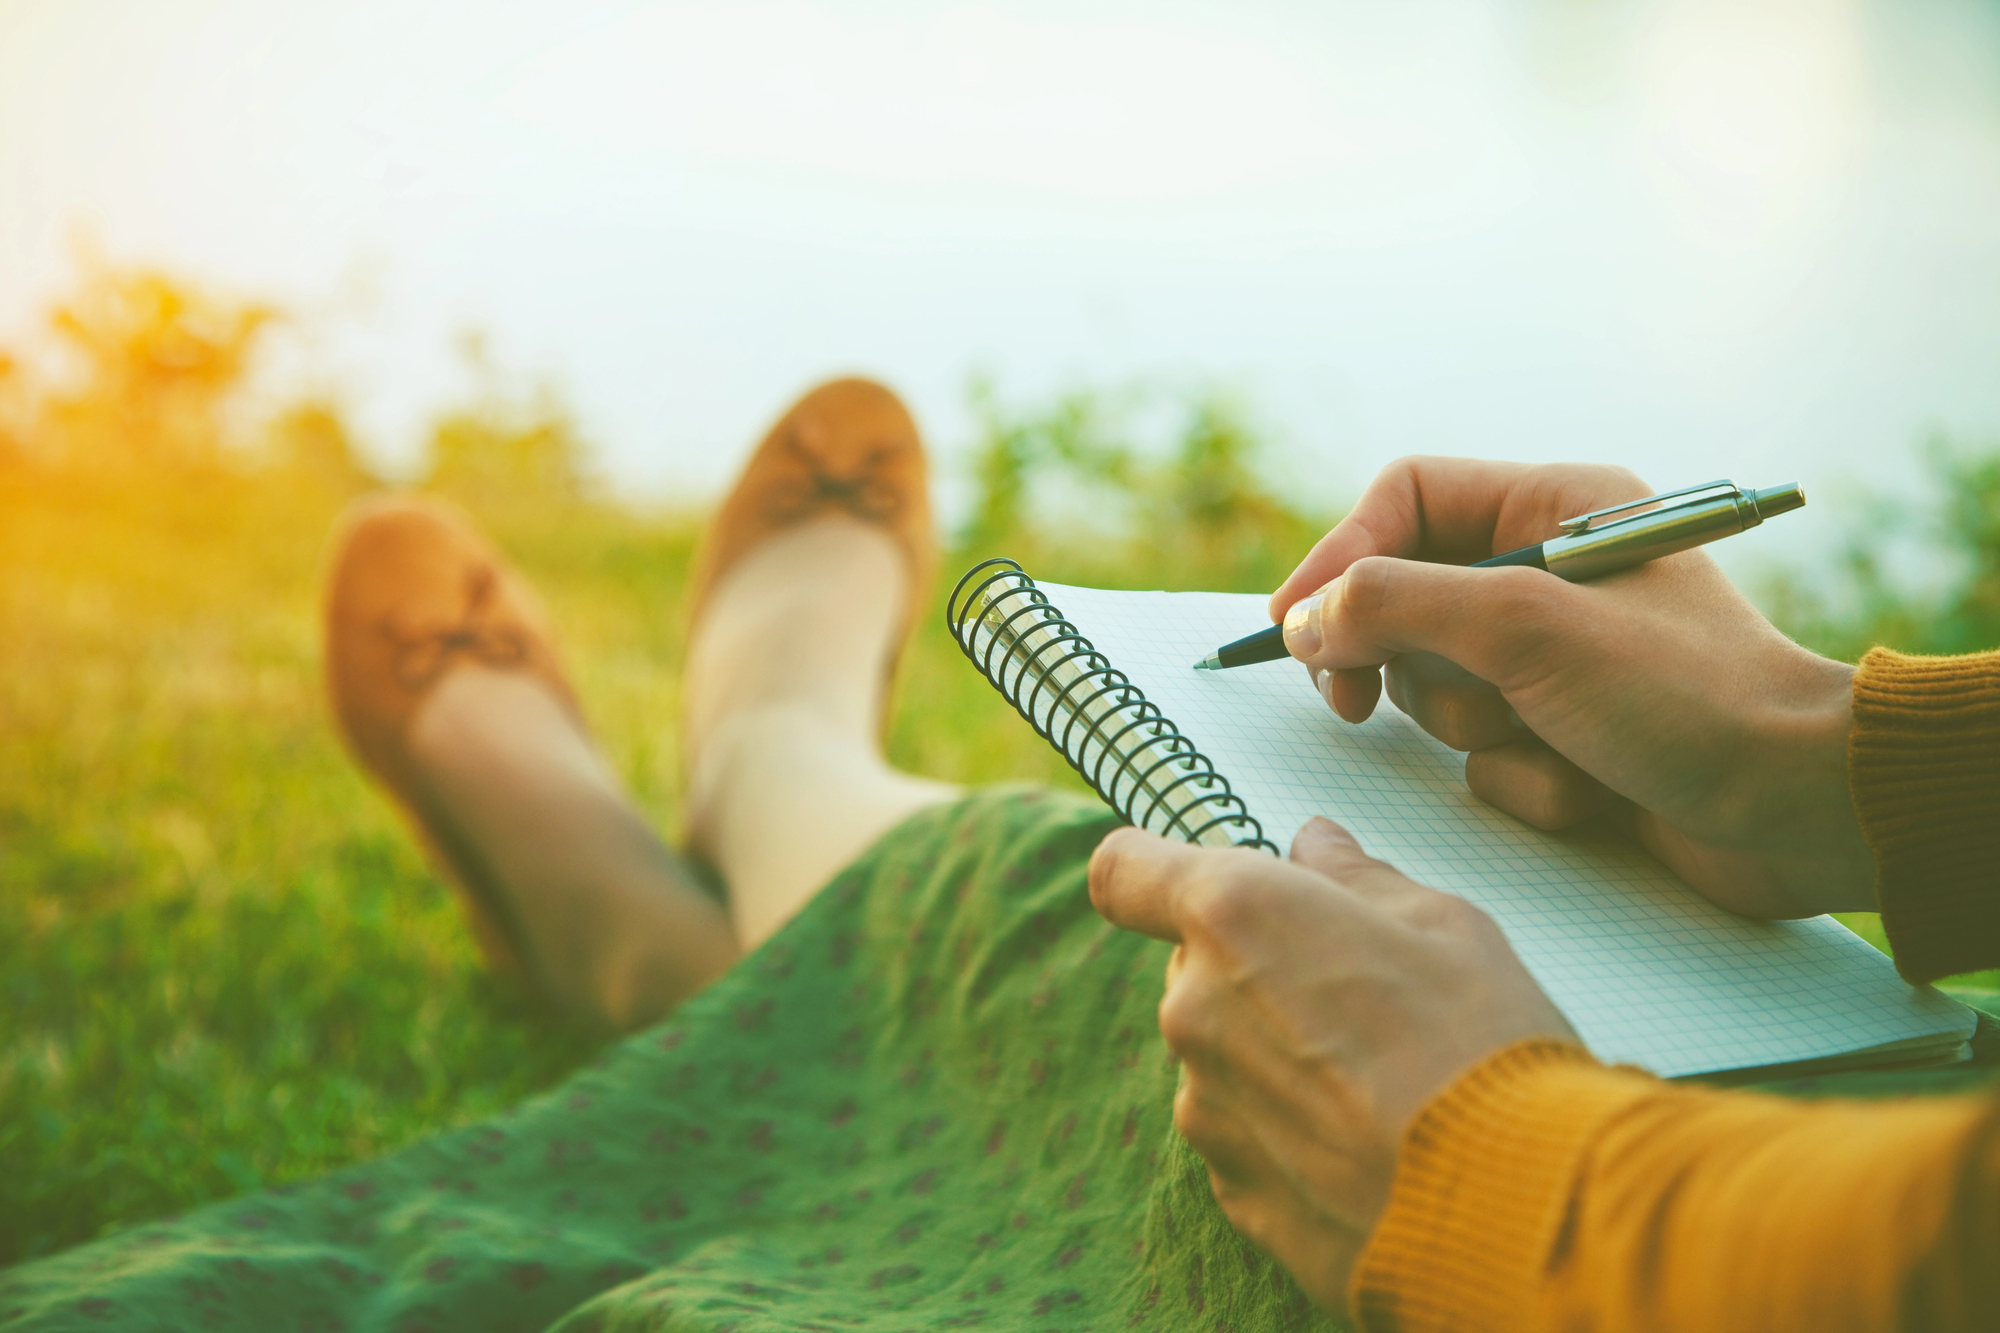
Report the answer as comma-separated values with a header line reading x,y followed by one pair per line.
x,y
1582,523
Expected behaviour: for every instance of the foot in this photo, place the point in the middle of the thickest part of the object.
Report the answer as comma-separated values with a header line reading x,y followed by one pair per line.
x,y
813,574
447,686
847,447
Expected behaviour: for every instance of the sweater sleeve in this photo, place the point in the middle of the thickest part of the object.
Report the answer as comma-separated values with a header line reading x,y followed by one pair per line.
x,y
1923,763
1543,1191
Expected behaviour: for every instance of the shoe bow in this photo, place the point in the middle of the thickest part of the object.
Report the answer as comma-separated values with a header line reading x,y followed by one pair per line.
x,y
423,652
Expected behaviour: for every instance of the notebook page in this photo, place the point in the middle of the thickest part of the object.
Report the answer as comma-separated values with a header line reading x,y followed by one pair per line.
x,y
1647,970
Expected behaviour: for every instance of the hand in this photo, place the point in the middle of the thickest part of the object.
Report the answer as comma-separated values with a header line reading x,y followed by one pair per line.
x,y
1316,1005
1658,694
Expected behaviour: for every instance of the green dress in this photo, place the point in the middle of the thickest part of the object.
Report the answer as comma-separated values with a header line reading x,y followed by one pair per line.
x,y
937,1099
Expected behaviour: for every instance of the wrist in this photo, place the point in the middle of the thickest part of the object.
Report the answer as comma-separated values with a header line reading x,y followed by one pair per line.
x,y
1807,821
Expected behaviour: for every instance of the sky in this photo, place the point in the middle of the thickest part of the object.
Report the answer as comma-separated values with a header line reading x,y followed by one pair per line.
x,y
1747,238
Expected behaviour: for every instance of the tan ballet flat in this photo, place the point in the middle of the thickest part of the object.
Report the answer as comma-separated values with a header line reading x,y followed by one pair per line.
x,y
848,446
414,591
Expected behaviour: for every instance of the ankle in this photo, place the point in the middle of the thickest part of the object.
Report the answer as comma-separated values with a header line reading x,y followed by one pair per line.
x,y
611,926
741,745
804,625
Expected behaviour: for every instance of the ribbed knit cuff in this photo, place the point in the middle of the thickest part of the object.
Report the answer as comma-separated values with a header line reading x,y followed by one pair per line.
x,y
1923,763
1482,1189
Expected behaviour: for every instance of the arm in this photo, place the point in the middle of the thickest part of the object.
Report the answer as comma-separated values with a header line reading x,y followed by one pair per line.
x,y
1389,1106
1543,1191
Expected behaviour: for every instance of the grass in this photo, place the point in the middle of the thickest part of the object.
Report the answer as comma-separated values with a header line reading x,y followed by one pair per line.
x,y
222,962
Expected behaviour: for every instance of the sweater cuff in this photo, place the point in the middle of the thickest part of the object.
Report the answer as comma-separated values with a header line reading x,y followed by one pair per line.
x,y
1483,1187
1923,763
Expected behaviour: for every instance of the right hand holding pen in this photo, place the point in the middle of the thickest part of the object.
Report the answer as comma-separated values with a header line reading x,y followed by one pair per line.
x,y
1659,693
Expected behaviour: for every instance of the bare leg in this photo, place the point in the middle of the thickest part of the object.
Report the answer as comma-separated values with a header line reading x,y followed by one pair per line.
x,y
787,781
616,929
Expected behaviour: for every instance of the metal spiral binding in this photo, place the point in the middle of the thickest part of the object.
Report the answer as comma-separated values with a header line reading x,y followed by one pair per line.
x,y
1092,712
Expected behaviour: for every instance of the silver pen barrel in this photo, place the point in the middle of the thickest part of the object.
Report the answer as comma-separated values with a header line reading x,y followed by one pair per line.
x,y
1598,551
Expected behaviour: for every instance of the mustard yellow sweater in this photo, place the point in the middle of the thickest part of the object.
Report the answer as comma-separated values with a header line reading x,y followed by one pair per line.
x,y
1543,1191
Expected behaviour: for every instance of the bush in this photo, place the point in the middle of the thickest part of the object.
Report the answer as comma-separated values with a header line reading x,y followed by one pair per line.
x,y
501,448
155,364
1070,491
1957,531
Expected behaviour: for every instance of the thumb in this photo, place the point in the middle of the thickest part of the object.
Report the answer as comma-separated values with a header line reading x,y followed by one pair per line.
x,y
1499,624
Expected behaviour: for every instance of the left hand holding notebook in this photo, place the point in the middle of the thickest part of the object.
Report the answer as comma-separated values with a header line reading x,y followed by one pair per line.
x,y
1316,1004
1659,693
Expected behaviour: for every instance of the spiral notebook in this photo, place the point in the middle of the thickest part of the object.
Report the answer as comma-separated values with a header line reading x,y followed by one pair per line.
x,y
1648,971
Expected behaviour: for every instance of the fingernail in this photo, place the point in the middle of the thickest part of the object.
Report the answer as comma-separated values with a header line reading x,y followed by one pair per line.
x,y
1323,682
1302,626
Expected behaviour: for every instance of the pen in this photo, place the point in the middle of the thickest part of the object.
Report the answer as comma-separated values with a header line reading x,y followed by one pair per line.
x,y
1589,546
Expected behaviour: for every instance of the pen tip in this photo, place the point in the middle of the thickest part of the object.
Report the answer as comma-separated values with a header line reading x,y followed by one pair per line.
x,y
1209,663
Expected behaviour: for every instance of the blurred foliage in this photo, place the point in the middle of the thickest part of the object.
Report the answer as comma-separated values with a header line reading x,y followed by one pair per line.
x,y
311,441
13,413
1069,491
503,449
1956,532
155,362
